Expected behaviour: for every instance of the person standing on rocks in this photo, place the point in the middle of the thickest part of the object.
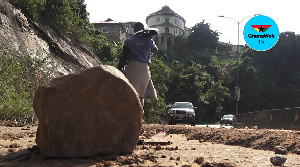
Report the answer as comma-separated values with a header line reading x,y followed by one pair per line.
x,y
136,55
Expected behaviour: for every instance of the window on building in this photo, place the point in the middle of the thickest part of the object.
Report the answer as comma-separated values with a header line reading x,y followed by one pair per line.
x,y
105,30
167,20
166,30
158,19
176,21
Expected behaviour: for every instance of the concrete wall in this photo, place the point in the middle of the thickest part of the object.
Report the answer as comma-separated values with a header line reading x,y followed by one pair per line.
x,y
287,118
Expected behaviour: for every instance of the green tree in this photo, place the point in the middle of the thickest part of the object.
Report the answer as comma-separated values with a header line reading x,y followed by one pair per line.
x,y
32,8
203,37
213,102
270,75
160,73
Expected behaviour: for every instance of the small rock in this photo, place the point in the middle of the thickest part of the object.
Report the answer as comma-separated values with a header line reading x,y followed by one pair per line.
x,y
171,158
298,152
178,159
281,150
255,127
187,165
278,160
158,147
199,160
163,156
145,147
15,145
139,160
142,131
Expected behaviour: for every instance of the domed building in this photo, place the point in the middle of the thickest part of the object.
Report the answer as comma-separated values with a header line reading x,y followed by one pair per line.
x,y
169,24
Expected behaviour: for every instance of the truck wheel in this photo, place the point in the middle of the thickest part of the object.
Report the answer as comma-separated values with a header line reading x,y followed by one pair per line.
x,y
193,124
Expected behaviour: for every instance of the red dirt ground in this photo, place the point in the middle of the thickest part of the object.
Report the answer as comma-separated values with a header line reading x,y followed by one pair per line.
x,y
182,146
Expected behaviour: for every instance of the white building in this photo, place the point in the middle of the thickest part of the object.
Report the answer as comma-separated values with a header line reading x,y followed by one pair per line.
x,y
169,24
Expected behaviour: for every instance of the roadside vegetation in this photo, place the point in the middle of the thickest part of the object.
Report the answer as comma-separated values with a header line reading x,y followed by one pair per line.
x,y
198,69
20,75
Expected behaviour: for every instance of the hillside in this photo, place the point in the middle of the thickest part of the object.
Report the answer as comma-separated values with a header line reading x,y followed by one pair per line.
x,y
26,37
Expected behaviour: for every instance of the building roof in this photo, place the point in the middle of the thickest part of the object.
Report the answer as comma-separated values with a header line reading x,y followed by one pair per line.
x,y
165,10
110,22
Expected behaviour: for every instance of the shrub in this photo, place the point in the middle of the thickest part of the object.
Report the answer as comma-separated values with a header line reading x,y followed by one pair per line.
x,y
20,75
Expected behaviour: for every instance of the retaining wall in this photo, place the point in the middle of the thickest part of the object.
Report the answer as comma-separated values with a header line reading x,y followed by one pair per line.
x,y
287,118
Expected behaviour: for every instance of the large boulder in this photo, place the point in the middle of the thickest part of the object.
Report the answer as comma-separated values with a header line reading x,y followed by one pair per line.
x,y
94,112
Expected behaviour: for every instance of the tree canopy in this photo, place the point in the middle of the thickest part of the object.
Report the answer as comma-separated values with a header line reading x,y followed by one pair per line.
x,y
203,37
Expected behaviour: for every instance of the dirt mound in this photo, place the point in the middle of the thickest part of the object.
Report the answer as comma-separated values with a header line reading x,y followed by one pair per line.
x,y
262,139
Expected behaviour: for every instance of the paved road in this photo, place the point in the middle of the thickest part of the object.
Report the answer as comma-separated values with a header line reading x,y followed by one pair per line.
x,y
209,125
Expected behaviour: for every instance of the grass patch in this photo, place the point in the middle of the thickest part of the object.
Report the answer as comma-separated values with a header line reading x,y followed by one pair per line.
x,y
20,75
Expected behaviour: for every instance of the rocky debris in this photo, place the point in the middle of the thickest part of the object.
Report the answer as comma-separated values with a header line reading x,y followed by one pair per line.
x,y
213,155
172,148
12,136
199,160
263,139
225,164
96,111
281,150
278,160
158,147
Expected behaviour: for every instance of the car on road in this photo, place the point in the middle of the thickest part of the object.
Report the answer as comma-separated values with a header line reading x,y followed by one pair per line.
x,y
182,112
227,119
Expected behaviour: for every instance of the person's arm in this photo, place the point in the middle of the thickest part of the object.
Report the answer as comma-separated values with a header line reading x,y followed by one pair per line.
x,y
154,47
124,58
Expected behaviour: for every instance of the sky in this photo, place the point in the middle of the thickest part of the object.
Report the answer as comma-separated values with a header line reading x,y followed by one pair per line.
x,y
284,12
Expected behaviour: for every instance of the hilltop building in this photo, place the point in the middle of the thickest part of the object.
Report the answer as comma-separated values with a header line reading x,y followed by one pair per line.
x,y
169,24
115,31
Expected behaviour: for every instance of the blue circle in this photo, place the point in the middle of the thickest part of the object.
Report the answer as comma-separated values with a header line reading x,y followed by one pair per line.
x,y
261,33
